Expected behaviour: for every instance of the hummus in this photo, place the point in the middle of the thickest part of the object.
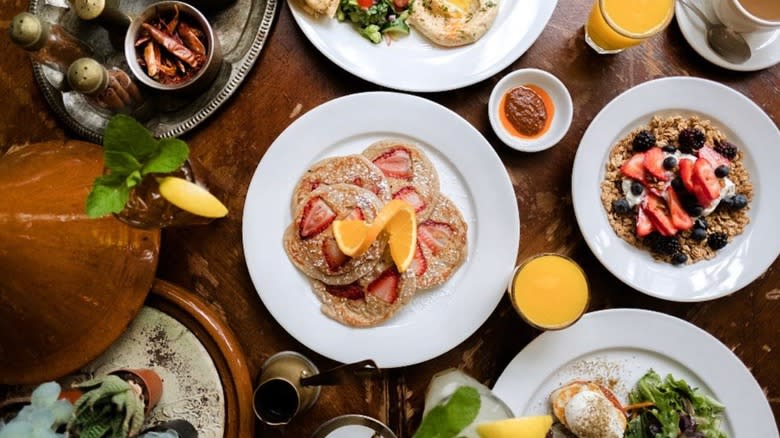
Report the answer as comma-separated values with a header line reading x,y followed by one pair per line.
x,y
453,22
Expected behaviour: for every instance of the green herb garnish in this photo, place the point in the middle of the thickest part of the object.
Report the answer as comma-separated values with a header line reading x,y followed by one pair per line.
x,y
448,419
130,152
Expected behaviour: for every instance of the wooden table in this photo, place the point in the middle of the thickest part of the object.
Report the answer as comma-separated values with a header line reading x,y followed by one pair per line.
x,y
292,77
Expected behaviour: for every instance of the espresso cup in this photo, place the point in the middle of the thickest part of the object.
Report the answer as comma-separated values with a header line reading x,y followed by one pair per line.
x,y
280,396
734,14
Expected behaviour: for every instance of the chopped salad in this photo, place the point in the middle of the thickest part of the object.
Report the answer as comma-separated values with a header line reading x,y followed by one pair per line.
x,y
375,19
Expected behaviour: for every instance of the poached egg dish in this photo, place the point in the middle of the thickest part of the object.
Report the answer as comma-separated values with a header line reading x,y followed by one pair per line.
x,y
589,410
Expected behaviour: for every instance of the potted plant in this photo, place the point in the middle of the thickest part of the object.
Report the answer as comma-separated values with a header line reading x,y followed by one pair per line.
x,y
44,416
110,407
147,380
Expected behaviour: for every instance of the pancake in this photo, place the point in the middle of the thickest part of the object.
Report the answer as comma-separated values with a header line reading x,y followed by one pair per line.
x,y
309,240
441,245
370,300
351,169
411,174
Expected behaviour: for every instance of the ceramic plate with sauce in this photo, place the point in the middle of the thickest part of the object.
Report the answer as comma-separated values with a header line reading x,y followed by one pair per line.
x,y
414,63
619,346
740,262
470,174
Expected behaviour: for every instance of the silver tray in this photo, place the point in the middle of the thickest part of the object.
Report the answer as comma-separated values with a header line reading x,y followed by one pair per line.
x,y
241,26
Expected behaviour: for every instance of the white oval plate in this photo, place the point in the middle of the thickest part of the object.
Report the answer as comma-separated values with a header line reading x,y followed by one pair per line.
x,y
746,125
413,63
471,174
620,346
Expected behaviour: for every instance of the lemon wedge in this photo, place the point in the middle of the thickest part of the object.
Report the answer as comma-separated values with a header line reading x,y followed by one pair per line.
x,y
191,197
522,427
397,219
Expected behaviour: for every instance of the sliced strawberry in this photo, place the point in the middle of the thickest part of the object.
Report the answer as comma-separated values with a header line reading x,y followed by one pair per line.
x,y
634,168
655,209
395,163
317,216
706,184
419,265
410,195
434,235
654,163
713,157
643,224
358,181
333,255
356,214
680,218
314,184
686,174
351,291
385,287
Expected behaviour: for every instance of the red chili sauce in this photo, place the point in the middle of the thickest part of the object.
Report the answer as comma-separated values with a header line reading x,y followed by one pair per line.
x,y
526,111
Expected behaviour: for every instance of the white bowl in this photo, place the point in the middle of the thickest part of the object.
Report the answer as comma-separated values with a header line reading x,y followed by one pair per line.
x,y
562,114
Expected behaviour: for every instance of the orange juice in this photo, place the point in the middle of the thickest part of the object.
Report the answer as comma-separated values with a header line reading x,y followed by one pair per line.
x,y
550,291
614,25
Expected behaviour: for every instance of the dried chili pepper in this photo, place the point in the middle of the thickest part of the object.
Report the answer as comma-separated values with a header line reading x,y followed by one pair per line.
x,y
174,47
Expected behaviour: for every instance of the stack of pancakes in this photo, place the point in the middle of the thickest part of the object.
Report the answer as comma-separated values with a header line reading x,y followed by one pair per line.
x,y
366,290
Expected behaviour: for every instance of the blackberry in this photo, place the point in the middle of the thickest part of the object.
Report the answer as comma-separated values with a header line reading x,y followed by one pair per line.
x,y
700,223
722,171
670,163
620,206
693,209
679,258
727,202
677,184
636,188
669,148
698,234
643,141
717,241
727,149
665,245
690,139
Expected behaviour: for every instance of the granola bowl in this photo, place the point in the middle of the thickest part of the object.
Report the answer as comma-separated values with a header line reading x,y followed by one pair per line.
x,y
171,46
674,189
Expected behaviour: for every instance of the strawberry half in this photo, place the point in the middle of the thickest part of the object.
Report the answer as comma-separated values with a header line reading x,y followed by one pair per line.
x,y
643,224
351,291
419,265
317,216
333,255
434,235
385,287
410,195
654,163
686,174
395,163
706,184
356,214
680,218
655,210
713,157
634,168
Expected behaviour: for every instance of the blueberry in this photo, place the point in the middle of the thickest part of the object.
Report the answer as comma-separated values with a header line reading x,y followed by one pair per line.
x,y
636,188
700,223
620,206
699,234
669,149
679,258
722,171
677,184
739,202
670,163
694,210
727,202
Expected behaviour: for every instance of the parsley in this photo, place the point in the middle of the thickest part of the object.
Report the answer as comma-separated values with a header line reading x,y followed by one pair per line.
x,y
130,152
448,419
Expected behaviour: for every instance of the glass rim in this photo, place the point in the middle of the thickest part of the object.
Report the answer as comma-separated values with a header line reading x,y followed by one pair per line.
x,y
520,267
637,36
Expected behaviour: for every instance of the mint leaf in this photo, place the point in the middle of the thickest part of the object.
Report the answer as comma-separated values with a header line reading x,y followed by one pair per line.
x,y
109,194
124,134
171,156
120,162
447,420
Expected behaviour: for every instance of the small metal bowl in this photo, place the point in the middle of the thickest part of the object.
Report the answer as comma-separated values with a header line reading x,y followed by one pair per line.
x,y
207,73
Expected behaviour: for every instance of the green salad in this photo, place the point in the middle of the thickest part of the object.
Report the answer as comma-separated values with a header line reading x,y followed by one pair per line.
x,y
670,408
375,18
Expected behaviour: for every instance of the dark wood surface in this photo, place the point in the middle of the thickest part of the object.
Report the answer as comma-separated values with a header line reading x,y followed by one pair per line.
x,y
291,74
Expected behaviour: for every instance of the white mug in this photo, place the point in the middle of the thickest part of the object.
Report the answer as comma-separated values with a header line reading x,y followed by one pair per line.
x,y
734,15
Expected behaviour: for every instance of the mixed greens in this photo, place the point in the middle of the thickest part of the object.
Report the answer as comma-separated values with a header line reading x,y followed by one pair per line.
x,y
670,408
375,18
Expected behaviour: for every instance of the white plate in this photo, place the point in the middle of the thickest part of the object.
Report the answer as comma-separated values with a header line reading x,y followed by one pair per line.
x,y
746,125
765,46
413,63
471,174
620,346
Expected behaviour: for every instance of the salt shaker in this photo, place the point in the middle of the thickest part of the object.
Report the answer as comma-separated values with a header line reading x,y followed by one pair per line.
x,y
48,44
105,13
108,88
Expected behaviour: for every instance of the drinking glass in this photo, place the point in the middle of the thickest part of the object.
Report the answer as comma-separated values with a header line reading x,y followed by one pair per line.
x,y
614,25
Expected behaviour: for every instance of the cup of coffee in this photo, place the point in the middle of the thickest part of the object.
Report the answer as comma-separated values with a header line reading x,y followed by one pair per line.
x,y
749,15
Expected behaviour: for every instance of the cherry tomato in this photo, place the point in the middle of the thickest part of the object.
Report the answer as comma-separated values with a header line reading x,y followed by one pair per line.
x,y
365,3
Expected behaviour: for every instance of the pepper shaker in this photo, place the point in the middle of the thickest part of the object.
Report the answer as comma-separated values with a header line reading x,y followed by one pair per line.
x,y
48,44
104,13
110,89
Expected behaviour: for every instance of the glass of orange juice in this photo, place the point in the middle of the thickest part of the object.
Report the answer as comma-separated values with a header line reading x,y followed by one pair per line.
x,y
549,291
614,25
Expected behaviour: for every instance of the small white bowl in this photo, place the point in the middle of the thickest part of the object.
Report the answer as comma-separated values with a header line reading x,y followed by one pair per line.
x,y
562,114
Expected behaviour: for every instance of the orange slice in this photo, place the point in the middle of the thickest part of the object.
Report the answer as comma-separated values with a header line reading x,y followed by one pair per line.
x,y
402,237
350,236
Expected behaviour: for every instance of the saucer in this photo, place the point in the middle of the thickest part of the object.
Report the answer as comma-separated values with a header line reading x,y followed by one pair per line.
x,y
765,45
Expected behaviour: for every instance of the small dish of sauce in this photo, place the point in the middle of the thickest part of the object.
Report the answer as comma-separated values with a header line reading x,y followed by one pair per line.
x,y
530,110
